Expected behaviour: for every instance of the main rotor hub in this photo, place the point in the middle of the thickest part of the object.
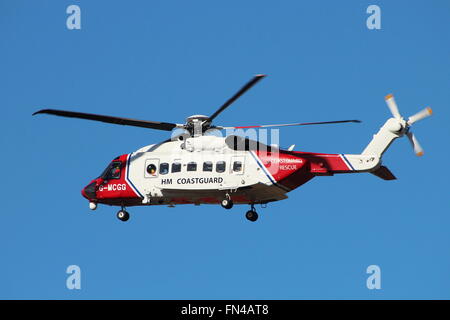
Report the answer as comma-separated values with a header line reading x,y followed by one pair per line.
x,y
196,117
197,124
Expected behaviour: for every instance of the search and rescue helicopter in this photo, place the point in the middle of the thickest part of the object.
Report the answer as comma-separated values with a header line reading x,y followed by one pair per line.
x,y
195,167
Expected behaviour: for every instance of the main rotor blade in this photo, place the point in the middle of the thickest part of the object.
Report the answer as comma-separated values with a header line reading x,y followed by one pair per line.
x,y
249,84
115,120
290,124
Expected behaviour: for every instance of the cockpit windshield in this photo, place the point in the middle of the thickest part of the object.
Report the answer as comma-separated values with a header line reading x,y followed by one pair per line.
x,y
112,171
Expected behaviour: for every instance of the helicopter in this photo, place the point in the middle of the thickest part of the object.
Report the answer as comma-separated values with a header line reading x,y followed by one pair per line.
x,y
195,167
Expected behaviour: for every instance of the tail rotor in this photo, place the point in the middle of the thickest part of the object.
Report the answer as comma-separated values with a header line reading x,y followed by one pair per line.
x,y
406,125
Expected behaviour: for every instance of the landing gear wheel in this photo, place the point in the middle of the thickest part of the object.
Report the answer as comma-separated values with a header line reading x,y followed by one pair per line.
x,y
122,215
227,203
251,215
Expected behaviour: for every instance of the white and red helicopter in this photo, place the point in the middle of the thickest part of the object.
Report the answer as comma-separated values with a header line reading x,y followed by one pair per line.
x,y
198,168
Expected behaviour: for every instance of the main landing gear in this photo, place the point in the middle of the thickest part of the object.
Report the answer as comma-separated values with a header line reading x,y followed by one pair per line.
x,y
123,215
251,215
227,203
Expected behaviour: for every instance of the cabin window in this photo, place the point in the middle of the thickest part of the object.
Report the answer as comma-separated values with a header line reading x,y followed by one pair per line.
x,y
207,166
151,169
237,166
176,167
220,166
164,168
192,166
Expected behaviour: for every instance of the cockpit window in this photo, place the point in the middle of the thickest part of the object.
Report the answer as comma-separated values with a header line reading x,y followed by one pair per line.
x,y
112,171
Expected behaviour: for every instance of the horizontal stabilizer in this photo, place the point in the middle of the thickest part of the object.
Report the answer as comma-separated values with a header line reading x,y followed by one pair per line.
x,y
384,173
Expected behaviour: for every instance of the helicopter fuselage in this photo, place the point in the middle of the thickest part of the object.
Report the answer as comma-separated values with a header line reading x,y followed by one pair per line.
x,y
208,169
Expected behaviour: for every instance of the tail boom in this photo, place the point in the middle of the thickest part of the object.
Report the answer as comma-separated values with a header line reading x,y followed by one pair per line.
x,y
329,164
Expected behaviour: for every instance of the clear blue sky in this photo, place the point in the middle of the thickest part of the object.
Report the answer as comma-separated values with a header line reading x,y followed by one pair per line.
x,y
166,60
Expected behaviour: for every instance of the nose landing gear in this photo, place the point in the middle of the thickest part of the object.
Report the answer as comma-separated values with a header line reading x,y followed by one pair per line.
x,y
123,215
252,215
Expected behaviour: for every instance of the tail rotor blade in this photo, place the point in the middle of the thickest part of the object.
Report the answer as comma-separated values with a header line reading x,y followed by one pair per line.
x,y
390,101
415,144
420,115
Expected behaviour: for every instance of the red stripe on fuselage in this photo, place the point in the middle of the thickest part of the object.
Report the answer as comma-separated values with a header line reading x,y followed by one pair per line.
x,y
324,163
287,170
291,169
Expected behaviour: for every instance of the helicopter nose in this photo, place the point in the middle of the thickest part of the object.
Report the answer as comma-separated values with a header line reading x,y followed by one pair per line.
x,y
89,191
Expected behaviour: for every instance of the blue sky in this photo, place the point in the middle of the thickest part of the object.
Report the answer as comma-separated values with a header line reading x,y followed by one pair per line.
x,y
166,60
